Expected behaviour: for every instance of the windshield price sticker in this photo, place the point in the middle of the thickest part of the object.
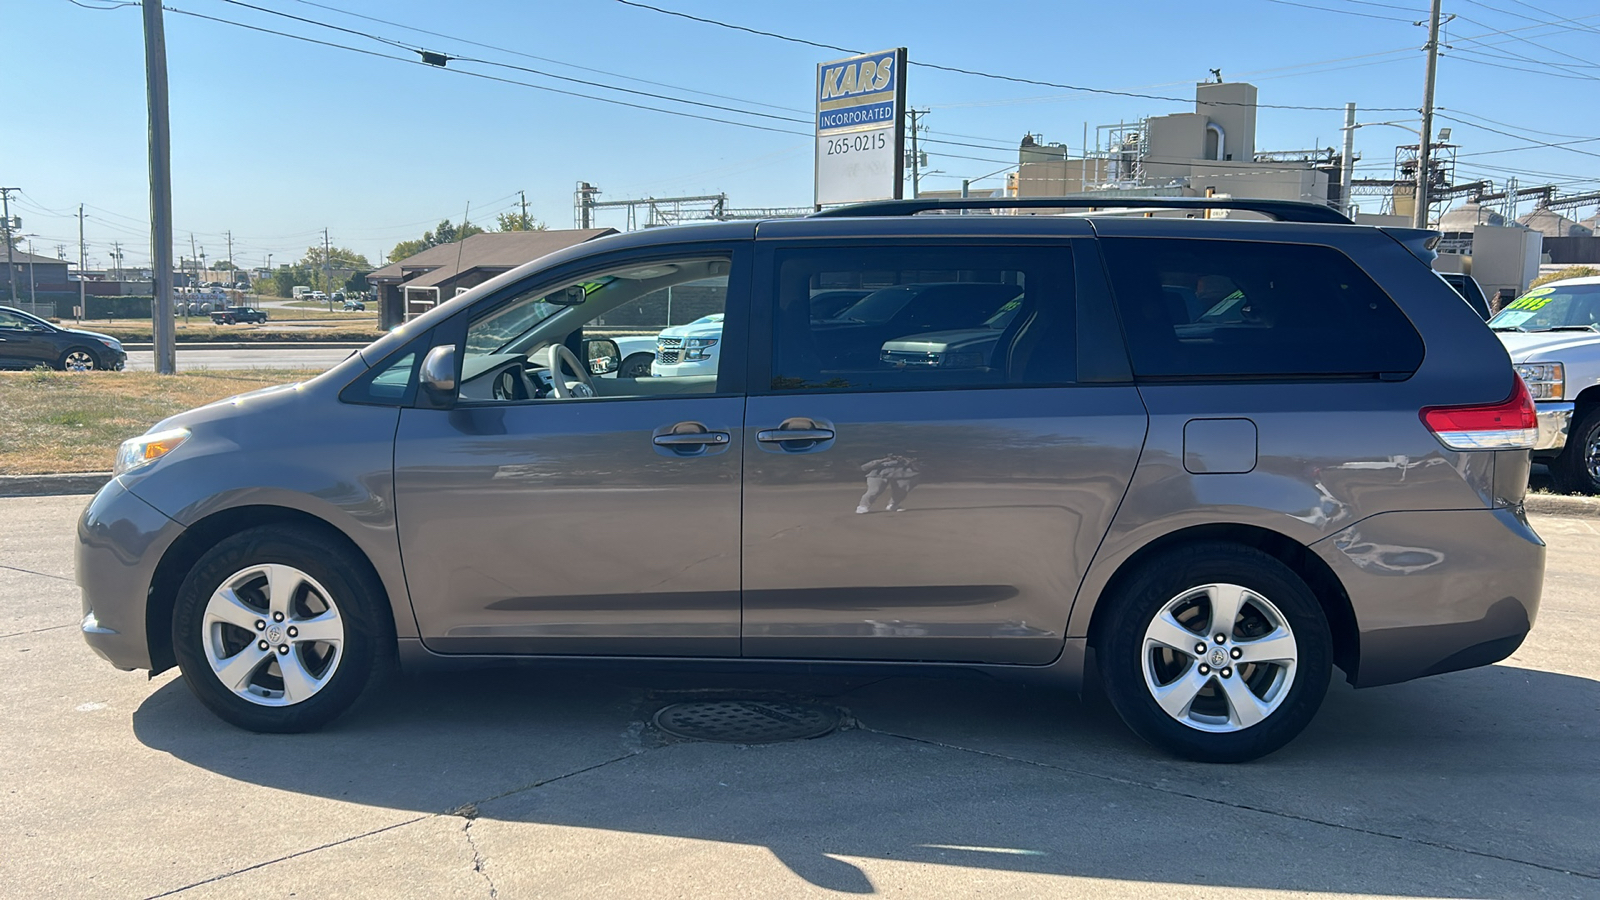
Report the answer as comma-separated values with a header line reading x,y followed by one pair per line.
x,y
1532,302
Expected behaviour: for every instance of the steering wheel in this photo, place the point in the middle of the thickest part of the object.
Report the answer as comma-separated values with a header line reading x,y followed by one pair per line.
x,y
585,388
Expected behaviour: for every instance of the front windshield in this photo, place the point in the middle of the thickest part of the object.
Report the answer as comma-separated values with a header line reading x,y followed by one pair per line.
x,y
497,332
1557,306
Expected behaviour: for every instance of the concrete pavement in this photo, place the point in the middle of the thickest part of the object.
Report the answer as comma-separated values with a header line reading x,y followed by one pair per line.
x,y
520,783
310,356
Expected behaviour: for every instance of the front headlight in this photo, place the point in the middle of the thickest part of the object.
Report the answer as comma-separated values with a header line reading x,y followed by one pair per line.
x,y
147,448
1546,381
113,343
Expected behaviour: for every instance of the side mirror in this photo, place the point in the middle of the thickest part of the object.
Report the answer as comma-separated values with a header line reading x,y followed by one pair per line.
x,y
602,355
438,374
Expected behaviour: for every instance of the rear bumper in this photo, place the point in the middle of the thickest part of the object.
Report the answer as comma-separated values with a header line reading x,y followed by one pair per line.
x,y
1554,420
1437,591
120,540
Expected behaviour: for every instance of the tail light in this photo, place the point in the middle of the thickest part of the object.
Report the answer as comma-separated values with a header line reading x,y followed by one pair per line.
x,y
1512,424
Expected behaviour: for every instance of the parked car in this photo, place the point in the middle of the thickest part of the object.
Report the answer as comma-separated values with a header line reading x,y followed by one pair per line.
x,y
1470,291
1224,455
1553,335
354,304
234,314
689,349
27,341
638,353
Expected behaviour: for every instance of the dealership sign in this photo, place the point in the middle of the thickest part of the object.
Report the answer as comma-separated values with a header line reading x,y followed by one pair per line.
x,y
860,128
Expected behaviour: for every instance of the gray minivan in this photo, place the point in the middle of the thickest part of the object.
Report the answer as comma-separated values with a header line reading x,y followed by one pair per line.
x,y
1211,458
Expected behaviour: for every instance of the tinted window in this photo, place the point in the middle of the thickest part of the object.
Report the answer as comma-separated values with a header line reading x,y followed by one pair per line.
x,y
897,317
1246,309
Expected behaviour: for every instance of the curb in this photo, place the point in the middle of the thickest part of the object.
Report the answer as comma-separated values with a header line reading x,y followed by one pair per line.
x,y
52,485
1563,505
257,345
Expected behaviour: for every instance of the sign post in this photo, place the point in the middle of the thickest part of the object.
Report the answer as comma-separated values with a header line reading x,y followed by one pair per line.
x,y
861,130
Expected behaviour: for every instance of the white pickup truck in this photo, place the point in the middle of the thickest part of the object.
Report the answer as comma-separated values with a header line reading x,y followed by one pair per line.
x,y
1553,335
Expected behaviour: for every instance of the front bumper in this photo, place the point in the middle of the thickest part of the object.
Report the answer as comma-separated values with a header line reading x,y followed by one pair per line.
x,y
1437,591
120,540
1554,420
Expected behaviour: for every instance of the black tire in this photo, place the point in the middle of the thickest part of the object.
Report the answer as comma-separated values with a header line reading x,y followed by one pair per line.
x,y
636,366
368,650
72,355
1120,651
1577,469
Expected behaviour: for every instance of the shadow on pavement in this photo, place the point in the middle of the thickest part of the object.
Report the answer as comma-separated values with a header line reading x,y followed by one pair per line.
x,y
1417,789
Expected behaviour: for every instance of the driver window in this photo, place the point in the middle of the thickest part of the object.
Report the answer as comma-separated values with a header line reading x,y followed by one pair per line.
x,y
11,322
641,330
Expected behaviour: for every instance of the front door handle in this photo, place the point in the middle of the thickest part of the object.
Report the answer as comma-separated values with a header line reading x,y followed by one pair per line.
x,y
785,435
692,439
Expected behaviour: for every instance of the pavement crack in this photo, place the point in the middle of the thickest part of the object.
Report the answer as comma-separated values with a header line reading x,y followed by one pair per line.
x,y
468,811
32,572
1310,820
288,856
37,630
477,857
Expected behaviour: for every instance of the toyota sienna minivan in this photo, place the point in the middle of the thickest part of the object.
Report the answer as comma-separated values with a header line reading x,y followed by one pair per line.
x,y
1211,458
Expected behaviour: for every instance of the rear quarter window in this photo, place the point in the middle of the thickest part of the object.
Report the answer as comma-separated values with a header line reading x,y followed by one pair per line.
x,y
1247,309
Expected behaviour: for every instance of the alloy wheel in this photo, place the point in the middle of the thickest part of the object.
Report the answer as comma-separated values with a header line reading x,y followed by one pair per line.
x,y
78,361
1219,658
272,635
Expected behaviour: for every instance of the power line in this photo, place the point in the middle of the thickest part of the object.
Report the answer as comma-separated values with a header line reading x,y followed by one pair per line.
x,y
1509,125
1561,146
544,59
517,68
991,75
486,77
1342,12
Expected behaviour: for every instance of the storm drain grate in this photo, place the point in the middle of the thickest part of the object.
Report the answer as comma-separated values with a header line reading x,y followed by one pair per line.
x,y
746,721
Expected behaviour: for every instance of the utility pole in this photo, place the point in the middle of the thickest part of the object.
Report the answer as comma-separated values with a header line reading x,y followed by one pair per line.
x,y
33,292
525,222
916,158
82,290
11,269
1419,215
116,257
230,255
1347,161
163,331
327,270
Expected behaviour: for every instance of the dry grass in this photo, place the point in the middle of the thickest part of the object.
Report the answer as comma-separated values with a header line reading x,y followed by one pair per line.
x,y
73,421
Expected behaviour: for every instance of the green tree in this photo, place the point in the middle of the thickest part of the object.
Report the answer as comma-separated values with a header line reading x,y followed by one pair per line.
x,y
516,221
446,232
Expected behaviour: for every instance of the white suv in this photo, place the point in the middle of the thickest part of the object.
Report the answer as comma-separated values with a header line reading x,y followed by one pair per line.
x,y
1553,335
689,349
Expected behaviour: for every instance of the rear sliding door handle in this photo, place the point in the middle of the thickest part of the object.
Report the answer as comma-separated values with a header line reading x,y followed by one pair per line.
x,y
785,435
692,439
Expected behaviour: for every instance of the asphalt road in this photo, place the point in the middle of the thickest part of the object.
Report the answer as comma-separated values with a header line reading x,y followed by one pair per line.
x,y
522,783
310,357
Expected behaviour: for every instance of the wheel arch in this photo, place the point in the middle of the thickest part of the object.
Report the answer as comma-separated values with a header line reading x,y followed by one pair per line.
x,y
201,536
1309,567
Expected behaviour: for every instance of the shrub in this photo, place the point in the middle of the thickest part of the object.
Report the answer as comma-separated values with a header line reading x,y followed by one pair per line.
x,y
1568,272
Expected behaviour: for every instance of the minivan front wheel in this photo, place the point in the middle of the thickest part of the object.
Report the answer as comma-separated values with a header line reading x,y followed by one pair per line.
x,y
1217,653
276,631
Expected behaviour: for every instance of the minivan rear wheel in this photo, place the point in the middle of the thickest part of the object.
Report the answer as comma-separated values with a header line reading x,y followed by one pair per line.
x,y
1577,469
1216,652
280,630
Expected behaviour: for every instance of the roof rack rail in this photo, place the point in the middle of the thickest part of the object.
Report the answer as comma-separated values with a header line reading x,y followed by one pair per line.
x,y
1281,210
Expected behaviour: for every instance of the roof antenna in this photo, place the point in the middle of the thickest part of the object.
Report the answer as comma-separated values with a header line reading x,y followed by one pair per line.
x,y
1217,74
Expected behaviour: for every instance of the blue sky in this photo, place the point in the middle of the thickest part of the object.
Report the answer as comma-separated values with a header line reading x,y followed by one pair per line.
x,y
275,139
